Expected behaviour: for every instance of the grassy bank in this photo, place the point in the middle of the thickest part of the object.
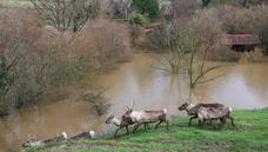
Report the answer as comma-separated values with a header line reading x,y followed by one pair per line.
x,y
250,135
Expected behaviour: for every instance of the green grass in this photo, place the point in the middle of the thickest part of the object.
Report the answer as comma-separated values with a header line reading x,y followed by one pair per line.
x,y
250,135
15,3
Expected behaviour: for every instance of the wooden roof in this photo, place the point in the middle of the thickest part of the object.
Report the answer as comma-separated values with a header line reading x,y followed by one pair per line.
x,y
240,39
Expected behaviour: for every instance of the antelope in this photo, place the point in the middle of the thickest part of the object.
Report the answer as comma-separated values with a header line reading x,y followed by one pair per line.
x,y
192,110
145,117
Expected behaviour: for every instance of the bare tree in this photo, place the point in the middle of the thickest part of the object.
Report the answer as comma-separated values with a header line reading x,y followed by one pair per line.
x,y
189,55
66,14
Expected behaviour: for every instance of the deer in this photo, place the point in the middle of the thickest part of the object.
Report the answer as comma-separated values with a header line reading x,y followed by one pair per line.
x,y
118,123
123,123
211,113
192,109
145,117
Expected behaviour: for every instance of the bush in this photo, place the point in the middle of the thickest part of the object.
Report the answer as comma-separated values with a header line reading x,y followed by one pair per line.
x,y
252,56
138,19
226,54
33,62
208,24
149,8
185,7
66,15
164,37
104,40
239,3
205,28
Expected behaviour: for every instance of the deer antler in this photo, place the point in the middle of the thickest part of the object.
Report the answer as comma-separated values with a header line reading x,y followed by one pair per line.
x,y
133,104
127,108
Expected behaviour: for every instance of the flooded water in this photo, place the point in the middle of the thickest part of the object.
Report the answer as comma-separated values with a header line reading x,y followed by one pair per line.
x,y
243,86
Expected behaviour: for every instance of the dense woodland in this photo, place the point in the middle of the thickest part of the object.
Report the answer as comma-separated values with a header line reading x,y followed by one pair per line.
x,y
48,44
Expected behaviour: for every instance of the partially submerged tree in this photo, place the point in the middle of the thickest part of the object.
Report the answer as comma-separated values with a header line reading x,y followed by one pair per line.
x,y
190,50
193,57
66,14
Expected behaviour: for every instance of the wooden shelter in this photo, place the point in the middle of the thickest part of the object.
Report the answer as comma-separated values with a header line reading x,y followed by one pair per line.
x,y
241,42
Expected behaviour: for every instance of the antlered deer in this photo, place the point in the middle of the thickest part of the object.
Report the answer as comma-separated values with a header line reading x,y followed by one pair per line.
x,y
207,111
145,117
118,123
210,113
192,109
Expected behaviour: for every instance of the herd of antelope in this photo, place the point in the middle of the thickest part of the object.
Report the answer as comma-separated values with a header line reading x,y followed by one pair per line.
x,y
202,111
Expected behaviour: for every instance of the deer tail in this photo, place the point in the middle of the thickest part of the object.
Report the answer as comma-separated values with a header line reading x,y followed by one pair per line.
x,y
165,111
230,109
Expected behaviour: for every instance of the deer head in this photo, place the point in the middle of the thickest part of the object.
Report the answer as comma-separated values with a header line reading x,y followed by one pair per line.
x,y
183,106
109,119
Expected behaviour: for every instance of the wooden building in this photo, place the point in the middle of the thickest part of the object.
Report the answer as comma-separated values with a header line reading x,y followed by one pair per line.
x,y
241,42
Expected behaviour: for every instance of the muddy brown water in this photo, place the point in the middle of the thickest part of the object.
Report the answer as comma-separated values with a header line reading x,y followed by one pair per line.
x,y
243,86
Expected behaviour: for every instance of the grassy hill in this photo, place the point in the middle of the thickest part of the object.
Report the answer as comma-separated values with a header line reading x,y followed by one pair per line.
x,y
250,135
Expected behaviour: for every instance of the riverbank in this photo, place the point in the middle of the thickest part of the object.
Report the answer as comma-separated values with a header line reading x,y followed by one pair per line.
x,y
250,135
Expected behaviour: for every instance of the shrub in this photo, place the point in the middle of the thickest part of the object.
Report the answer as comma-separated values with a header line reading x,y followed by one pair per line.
x,y
225,54
252,56
206,27
32,62
105,41
239,3
138,19
66,15
209,24
164,37
22,58
149,8
185,7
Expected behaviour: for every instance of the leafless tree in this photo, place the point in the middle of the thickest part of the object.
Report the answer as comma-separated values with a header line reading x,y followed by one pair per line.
x,y
66,14
189,55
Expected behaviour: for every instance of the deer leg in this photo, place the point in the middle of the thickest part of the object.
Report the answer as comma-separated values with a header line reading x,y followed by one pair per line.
x,y
127,129
117,131
190,121
145,126
157,125
167,125
200,123
148,126
203,122
223,121
232,121
210,122
135,128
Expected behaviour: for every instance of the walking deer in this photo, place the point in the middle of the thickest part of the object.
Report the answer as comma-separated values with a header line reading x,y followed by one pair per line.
x,y
207,111
145,117
192,109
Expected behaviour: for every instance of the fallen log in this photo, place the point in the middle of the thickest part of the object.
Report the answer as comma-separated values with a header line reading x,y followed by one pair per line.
x,y
35,142
83,135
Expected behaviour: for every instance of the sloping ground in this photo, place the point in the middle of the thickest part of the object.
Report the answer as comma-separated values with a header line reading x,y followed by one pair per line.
x,y
250,135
